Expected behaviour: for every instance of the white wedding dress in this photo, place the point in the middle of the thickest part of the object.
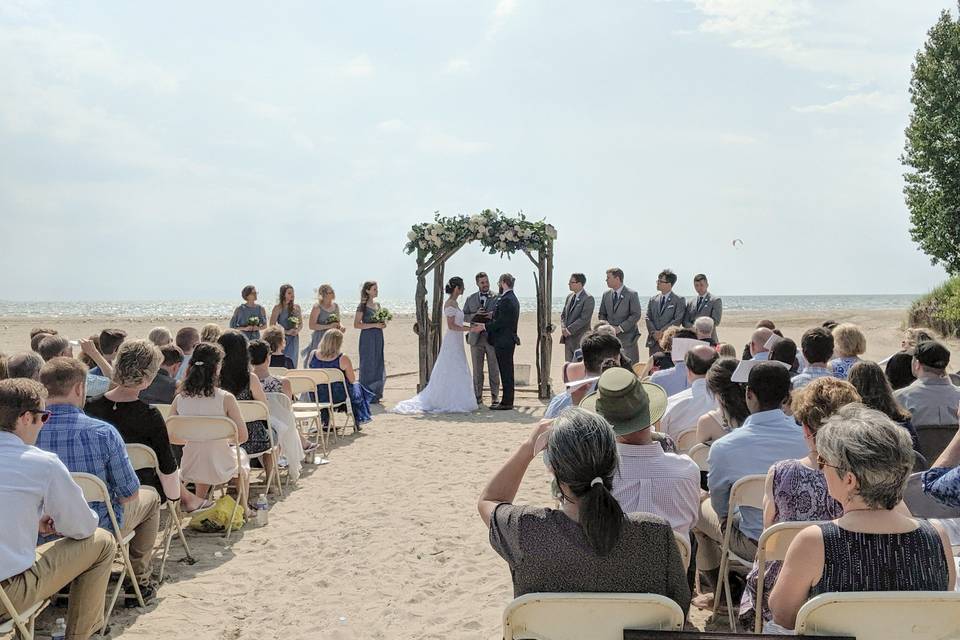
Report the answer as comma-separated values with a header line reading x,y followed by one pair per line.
x,y
450,389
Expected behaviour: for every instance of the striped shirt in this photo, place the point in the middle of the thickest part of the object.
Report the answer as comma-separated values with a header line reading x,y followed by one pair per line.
x,y
652,481
809,374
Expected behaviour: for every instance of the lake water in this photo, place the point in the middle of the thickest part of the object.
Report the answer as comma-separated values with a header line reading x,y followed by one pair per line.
x,y
208,308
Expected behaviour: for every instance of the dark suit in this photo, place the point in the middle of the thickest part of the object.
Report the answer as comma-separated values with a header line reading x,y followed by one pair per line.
x,y
708,306
575,318
674,309
625,313
502,334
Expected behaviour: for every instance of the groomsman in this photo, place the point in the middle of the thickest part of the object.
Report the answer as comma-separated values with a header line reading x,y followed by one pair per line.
x,y
576,315
620,307
482,302
663,310
704,305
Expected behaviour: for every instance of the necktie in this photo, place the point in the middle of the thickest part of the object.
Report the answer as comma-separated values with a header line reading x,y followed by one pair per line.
x,y
616,298
699,303
663,303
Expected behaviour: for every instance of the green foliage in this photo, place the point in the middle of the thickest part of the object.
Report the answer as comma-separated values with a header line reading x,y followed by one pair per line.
x,y
494,230
932,147
939,309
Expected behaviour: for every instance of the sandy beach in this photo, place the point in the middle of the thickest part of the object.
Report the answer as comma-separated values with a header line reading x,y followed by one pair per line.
x,y
385,541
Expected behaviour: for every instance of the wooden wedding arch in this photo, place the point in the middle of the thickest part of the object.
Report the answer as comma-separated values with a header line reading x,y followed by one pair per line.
x,y
436,242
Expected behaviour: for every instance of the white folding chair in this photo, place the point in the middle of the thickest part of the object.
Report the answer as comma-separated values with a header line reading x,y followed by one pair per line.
x,y
186,429
598,616
143,457
904,615
772,547
279,372
746,492
698,453
24,620
164,409
253,410
94,490
335,377
686,440
307,412
683,544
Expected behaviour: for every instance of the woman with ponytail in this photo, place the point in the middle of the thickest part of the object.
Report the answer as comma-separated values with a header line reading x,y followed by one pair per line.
x,y
588,544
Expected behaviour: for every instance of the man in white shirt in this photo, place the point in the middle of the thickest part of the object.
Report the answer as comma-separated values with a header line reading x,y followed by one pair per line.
x,y
38,495
685,408
647,479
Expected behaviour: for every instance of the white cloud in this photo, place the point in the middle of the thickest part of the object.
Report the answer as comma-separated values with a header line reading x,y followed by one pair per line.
x,y
450,145
359,67
457,65
873,101
504,8
394,126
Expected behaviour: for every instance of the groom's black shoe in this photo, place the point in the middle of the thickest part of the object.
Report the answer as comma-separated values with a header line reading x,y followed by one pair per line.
x,y
502,407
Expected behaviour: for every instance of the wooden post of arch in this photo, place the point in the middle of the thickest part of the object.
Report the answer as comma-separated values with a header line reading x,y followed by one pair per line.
x,y
543,278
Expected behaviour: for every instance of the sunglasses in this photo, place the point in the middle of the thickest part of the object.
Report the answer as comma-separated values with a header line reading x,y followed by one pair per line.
x,y
821,463
44,415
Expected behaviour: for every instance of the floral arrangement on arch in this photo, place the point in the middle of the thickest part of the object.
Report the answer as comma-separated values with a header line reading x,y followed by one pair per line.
x,y
494,230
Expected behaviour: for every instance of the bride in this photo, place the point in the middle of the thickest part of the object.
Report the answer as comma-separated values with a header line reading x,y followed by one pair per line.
x,y
450,389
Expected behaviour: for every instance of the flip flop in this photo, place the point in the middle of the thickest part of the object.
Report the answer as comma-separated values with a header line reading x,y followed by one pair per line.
x,y
206,504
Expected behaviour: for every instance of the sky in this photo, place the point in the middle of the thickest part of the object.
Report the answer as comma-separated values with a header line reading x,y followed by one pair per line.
x,y
183,150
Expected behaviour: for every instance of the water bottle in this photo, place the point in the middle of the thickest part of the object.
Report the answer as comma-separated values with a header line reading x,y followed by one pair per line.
x,y
262,508
59,630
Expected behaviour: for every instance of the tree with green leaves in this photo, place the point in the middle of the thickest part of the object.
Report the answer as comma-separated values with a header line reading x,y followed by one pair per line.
x,y
932,150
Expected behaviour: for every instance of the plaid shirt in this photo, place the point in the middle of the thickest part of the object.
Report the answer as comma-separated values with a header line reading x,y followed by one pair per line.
x,y
808,375
88,445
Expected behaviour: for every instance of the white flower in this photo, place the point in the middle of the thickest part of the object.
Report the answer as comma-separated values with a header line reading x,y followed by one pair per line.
x,y
512,236
412,235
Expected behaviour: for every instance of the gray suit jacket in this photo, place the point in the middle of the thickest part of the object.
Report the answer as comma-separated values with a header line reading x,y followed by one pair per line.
x,y
625,315
711,306
673,312
576,316
470,306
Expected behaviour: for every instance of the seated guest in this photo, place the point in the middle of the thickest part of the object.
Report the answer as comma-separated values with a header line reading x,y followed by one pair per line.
x,y
899,370
731,411
785,351
661,358
237,378
817,347
24,365
108,342
260,352
942,480
866,459
163,388
210,463
187,338
931,399
87,360
912,336
589,544
606,328
42,333
88,445
648,479
330,356
761,324
704,327
849,343
796,489
597,348
160,336
673,380
275,337
58,346
758,344
726,350
767,436
685,409
35,483
874,389
137,362
210,332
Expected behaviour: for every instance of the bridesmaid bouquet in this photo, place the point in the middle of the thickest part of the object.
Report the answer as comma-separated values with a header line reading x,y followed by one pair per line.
x,y
383,315
293,322
333,318
253,321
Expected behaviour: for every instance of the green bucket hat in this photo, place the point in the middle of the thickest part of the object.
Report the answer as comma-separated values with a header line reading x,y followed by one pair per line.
x,y
626,403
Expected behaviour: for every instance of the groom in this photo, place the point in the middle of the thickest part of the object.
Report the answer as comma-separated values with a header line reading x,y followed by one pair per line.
x,y
501,330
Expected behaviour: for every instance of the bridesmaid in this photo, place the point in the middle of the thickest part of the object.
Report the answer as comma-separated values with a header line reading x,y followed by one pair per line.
x,y
373,374
319,317
245,312
288,316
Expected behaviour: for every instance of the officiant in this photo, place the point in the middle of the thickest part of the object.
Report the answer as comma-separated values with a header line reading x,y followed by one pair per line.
x,y
480,304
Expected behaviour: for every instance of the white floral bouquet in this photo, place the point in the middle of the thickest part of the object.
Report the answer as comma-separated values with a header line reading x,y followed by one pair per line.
x,y
253,321
333,318
383,315
293,322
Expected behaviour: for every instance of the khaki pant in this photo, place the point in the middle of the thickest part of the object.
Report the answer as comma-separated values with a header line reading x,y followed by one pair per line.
x,y
478,352
84,565
142,515
709,536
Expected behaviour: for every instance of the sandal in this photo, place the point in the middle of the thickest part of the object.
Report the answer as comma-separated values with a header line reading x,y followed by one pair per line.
x,y
206,504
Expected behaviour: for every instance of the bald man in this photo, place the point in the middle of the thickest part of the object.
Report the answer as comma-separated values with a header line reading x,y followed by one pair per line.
x,y
758,341
685,408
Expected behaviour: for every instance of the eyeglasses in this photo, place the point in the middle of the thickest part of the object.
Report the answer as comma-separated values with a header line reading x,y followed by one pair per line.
x,y
821,463
44,415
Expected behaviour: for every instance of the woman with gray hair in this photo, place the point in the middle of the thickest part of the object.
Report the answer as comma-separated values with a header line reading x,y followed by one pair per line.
x,y
866,459
135,366
588,544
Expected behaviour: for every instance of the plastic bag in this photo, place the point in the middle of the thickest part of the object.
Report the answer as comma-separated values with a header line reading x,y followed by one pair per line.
x,y
217,517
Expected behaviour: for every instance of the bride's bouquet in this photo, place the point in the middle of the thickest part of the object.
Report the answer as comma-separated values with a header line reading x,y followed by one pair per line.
x,y
383,315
